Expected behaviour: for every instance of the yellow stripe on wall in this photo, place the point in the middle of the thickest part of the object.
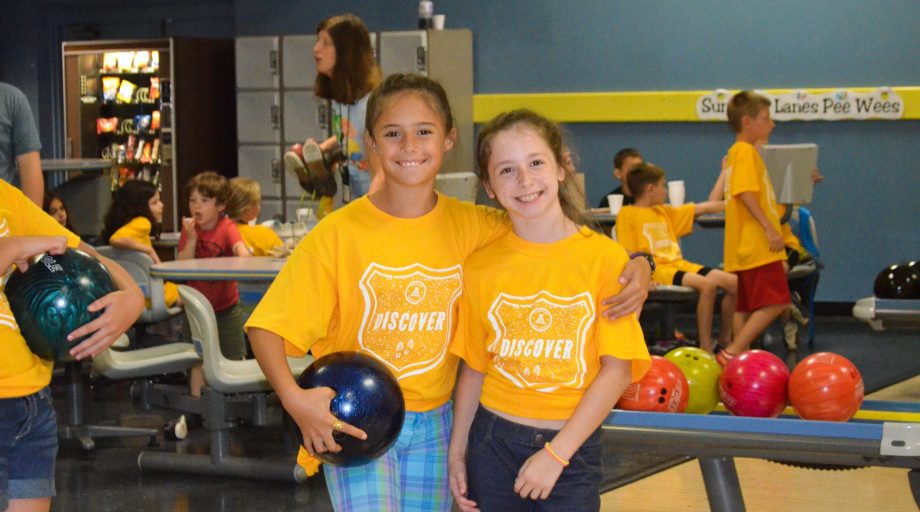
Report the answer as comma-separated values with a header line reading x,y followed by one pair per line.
x,y
636,106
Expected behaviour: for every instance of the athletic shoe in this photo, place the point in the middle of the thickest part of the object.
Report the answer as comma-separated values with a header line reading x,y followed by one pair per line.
x,y
723,357
790,334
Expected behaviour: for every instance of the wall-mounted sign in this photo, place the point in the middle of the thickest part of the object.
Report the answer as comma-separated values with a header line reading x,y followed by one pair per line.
x,y
882,103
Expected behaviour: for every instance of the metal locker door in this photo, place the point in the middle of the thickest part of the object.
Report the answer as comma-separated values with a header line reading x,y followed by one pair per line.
x,y
297,65
263,164
271,209
404,52
305,115
258,117
257,65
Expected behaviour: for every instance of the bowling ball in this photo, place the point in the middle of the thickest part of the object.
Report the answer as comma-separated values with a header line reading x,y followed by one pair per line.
x,y
366,396
702,373
754,384
49,300
826,386
899,281
662,389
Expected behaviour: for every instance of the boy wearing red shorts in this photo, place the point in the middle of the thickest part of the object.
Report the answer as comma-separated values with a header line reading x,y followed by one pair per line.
x,y
753,242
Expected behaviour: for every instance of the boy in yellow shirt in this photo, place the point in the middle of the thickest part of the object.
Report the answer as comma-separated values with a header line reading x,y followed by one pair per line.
x,y
654,227
753,240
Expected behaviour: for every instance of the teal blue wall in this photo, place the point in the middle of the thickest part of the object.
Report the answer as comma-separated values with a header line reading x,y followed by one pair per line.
x,y
867,208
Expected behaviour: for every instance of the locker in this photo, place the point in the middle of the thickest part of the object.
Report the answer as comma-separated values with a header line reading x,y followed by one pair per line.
x,y
257,63
258,117
263,164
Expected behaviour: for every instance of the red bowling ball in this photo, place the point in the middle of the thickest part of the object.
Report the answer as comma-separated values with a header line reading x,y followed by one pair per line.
x,y
754,384
826,386
663,389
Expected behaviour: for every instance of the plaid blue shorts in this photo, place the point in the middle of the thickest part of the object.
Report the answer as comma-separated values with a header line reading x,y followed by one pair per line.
x,y
412,475
28,446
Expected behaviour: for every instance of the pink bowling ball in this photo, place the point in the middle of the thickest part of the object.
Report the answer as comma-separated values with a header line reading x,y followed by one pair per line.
x,y
754,384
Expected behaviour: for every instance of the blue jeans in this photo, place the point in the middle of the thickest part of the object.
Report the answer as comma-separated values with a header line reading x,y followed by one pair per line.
x,y
28,446
497,450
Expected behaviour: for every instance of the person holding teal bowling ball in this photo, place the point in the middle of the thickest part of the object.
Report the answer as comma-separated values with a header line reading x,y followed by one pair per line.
x,y
28,428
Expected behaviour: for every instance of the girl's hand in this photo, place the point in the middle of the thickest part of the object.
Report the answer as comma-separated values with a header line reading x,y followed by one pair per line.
x,y
456,468
154,256
22,248
310,410
537,476
636,279
122,307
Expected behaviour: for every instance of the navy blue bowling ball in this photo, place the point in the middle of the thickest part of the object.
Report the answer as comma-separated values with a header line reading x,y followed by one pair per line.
x,y
899,281
366,396
49,300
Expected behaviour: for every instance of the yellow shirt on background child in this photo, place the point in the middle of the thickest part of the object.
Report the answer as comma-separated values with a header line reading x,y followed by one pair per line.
x,y
529,320
260,240
746,244
655,230
22,373
363,280
138,229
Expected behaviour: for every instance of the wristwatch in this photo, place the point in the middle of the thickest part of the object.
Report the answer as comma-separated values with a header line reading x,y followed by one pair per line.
x,y
648,257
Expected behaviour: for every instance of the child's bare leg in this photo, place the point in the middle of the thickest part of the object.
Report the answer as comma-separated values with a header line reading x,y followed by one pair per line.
x,y
195,380
704,307
29,505
757,321
728,282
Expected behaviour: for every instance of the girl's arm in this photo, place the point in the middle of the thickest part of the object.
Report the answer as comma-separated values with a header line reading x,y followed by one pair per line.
x,y
308,407
18,249
466,400
120,310
636,279
130,244
539,473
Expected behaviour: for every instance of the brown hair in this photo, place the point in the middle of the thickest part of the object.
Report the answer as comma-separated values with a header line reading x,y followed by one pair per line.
x,y
244,193
745,103
429,90
643,175
355,72
623,154
570,197
209,184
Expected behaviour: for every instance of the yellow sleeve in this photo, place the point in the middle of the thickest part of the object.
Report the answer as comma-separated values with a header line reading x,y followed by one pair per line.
x,y
260,239
629,232
469,341
621,338
744,170
682,218
300,302
138,229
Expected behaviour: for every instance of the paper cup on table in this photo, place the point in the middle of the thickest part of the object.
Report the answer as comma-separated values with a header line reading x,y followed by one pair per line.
x,y
437,22
676,192
616,202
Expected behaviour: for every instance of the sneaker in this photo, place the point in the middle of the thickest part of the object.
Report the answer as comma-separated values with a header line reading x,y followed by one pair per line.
x,y
320,174
723,357
790,334
294,162
798,316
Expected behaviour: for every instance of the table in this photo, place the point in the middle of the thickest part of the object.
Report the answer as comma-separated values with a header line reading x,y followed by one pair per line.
x,y
711,220
253,269
716,439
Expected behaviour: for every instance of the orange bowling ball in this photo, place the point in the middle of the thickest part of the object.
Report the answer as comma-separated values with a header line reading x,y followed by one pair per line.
x,y
826,386
663,389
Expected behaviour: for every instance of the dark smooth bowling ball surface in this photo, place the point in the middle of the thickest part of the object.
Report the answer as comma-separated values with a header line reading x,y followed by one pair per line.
x,y
49,300
367,396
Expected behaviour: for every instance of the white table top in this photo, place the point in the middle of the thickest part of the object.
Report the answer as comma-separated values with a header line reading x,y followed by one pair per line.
x,y
257,268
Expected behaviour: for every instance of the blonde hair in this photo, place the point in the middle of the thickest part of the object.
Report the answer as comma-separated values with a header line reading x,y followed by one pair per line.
x,y
244,194
570,196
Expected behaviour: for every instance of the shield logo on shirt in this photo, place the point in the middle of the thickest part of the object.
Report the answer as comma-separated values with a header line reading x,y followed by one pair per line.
x,y
409,315
540,340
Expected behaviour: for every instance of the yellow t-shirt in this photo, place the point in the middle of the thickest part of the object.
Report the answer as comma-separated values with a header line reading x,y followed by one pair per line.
x,y
22,372
655,230
746,243
259,239
138,229
389,287
530,321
